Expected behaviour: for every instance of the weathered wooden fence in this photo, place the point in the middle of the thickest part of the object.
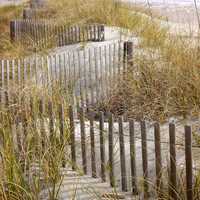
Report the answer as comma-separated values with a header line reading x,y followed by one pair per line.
x,y
43,33
89,74
118,151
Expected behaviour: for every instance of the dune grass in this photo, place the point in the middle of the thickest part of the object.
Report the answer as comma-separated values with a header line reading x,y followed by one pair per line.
x,y
8,49
31,155
164,81
168,67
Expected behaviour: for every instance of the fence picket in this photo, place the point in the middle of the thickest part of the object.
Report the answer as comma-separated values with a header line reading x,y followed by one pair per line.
x,y
102,146
62,130
7,73
2,80
42,124
72,137
83,141
111,154
122,156
158,160
91,76
13,71
92,138
173,175
85,78
188,161
80,79
132,156
144,158
96,71
102,79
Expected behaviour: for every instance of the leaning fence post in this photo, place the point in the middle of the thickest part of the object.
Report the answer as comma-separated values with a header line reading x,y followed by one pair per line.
x,y
92,138
83,142
188,161
144,158
132,156
172,179
111,154
72,137
102,146
122,155
158,159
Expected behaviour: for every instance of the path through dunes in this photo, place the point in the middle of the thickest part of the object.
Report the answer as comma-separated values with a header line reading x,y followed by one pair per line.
x,y
85,187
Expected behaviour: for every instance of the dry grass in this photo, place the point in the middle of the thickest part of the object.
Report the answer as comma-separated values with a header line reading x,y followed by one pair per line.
x,y
31,157
164,81
165,78
8,49
160,84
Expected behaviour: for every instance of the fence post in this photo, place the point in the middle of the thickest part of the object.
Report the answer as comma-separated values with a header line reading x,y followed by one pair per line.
x,y
101,33
128,54
102,146
188,161
83,142
93,155
122,155
111,158
72,137
173,181
158,159
12,30
132,156
144,158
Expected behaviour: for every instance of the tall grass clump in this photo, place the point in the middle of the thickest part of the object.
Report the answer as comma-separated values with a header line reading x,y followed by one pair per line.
x,y
164,80
32,151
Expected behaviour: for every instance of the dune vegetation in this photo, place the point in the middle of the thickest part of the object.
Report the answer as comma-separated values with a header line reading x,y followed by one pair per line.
x,y
163,82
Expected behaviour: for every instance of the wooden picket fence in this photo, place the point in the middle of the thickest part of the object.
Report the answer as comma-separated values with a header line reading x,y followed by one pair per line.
x,y
94,140
89,74
43,33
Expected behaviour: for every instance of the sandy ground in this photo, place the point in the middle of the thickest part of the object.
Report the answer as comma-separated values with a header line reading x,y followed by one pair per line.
x,y
181,17
11,2
181,11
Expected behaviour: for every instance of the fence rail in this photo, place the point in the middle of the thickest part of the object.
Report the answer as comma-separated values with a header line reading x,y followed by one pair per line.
x,y
43,33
